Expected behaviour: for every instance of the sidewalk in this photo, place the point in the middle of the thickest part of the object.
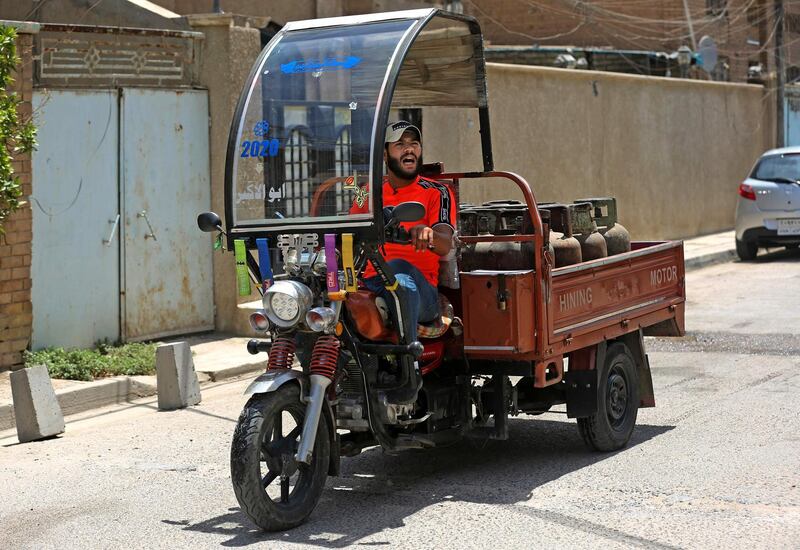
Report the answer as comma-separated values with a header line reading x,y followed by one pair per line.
x,y
709,249
219,356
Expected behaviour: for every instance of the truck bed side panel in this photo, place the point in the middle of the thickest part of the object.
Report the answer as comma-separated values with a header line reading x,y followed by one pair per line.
x,y
605,298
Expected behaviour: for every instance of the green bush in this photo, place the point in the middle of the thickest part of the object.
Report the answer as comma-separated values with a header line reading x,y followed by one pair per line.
x,y
16,135
88,364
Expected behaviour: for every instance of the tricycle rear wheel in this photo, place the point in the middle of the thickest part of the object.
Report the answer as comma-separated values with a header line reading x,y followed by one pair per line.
x,y
611,426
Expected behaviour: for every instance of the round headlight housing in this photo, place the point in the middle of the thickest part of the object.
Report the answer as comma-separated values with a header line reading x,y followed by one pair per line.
x,y
287,302
320,319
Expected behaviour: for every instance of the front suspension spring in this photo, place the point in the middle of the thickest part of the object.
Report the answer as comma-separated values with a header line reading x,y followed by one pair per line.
x,y
281,353
325,356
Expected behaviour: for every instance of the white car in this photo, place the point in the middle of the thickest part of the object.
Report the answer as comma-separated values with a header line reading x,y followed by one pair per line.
x,y
768,210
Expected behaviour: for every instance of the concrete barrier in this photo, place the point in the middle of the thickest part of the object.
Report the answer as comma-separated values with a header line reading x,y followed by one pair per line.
x,y
175,376
38,414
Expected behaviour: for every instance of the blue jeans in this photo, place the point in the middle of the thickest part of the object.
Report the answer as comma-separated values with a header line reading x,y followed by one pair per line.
x,y
419,298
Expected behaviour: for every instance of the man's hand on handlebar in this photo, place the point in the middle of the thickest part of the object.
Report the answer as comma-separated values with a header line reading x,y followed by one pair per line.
x,y
421,237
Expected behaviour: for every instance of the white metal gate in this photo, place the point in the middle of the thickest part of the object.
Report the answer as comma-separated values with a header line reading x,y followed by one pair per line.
x,y
119,177
75,274
165,184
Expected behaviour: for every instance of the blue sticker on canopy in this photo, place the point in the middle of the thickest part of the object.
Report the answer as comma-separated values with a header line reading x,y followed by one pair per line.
x,y
329,64
261,128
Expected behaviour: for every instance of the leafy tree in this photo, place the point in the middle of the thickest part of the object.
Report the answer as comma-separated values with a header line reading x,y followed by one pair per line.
x,y
16,136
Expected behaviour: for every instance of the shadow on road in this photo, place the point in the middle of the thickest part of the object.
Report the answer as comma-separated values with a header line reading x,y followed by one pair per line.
x,y
778,255
377,492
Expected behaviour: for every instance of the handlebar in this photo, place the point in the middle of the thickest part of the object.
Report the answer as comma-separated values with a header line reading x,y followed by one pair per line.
x,y
398,235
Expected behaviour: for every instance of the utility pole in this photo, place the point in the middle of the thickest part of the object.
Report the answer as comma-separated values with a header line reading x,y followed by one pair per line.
x,y
780,81
763,36
688,15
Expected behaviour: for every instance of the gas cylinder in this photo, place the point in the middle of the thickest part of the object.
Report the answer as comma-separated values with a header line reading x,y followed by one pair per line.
x,y
515,221
482,257
617,238
566,248
545,215
468,222
593,245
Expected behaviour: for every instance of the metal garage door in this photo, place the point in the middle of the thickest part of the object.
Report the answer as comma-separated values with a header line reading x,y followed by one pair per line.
x,y
118,179
165,184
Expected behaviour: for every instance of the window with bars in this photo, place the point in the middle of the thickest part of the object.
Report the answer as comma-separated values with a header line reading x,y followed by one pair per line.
x,y
344,167
297,172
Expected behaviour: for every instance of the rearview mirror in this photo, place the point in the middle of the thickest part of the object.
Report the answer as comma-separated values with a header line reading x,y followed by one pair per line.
x,y
408,212
209,222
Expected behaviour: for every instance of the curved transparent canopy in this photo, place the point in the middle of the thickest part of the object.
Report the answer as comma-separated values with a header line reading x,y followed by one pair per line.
x,y
303,144
310,125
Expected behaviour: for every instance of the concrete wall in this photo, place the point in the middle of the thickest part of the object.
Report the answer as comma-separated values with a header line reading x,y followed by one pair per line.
x,y
231,46
671,151
15,247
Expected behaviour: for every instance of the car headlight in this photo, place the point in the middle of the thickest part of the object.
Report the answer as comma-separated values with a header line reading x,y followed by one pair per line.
x,y
286,303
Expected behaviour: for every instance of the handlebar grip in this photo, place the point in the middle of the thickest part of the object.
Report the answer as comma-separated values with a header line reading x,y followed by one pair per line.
x,y
398,235
403,236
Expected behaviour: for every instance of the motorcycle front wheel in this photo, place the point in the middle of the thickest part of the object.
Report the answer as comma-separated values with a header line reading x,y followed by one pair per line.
x,y
273,489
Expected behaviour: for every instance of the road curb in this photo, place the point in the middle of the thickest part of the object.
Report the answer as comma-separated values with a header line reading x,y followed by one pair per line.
x,y
711,258
215,375
120,389
99,393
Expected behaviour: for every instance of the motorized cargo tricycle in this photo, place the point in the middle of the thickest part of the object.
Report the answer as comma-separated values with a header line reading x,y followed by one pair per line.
x,y
517,333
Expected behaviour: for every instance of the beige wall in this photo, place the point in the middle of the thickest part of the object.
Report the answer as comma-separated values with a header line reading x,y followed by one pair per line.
x,y
228,55
671,151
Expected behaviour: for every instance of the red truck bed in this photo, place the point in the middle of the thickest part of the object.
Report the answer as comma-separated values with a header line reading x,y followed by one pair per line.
x,y
512,315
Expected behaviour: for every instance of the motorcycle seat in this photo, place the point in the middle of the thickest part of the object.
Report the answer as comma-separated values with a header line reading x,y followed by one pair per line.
x,y
440,325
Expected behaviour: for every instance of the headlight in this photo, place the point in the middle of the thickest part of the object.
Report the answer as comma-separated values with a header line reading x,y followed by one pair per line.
x,y
286,303
259,321
320,318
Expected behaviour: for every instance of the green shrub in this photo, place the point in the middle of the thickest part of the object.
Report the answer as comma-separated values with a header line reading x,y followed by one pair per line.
x,y
88,364
16,135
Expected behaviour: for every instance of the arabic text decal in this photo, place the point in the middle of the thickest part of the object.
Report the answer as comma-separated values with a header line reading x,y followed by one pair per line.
x,y
328,64
263,148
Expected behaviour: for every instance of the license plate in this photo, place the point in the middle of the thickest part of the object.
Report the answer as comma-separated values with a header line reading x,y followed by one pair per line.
x,y
789,227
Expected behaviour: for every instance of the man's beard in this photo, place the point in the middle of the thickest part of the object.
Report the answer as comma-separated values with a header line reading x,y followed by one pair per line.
x,y
397,168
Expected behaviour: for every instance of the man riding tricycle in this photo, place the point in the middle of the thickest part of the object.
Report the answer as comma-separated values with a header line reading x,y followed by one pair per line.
x,y
389,319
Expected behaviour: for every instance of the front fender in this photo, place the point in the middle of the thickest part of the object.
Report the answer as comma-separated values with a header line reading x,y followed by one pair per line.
x,y
274,379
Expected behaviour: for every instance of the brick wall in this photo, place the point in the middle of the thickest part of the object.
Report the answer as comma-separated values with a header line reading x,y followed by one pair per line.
x,y
15,249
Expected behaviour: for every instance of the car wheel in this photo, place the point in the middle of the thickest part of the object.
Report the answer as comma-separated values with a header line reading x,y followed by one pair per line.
x,y
746,250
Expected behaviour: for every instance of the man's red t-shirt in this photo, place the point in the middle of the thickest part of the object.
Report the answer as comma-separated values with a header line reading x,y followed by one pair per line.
x,y
440,207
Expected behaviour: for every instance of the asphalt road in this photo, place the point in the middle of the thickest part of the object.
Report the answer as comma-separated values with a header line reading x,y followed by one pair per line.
x,y
715,465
